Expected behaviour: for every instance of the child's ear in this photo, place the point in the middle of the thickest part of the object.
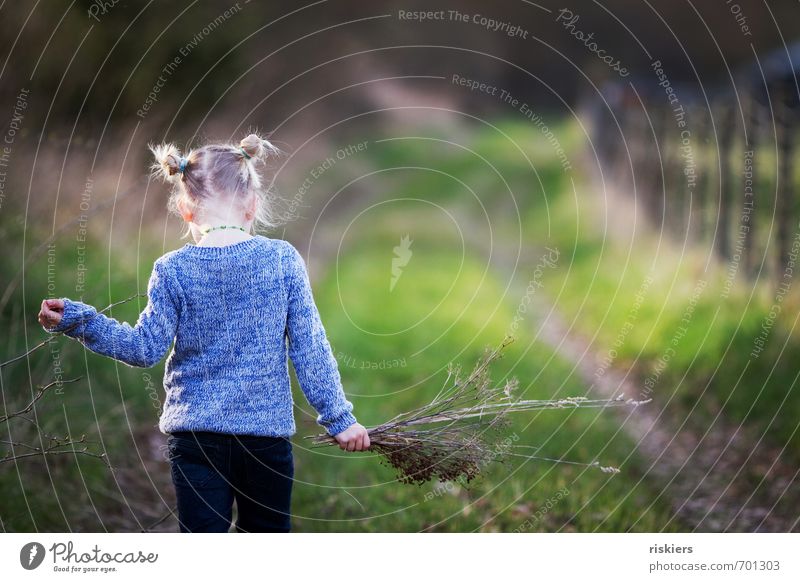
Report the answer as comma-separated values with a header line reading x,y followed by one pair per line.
x,y
251,209
183,208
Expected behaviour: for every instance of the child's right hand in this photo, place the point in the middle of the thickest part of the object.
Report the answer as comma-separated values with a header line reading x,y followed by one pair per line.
x,y
353,438
51,313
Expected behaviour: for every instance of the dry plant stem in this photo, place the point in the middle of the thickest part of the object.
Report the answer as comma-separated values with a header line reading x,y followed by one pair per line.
x,y
37,397
160,520
53,337
56,445
451,437
29,352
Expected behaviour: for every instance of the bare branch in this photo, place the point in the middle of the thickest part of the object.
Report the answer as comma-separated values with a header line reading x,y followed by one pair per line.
x,y
55,446
37,397
454,436
161,520
48,452
55,335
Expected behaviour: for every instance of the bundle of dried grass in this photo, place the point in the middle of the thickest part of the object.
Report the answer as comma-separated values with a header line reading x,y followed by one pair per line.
x,y
454,436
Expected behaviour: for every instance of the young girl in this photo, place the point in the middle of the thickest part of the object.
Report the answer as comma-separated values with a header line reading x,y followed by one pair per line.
x,y
230,303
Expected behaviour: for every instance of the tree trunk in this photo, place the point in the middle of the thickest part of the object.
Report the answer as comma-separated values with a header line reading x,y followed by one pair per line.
x,y
785,182
722,241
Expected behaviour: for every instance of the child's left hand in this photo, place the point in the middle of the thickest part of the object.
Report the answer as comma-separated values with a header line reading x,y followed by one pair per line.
x,y
51,313
355,438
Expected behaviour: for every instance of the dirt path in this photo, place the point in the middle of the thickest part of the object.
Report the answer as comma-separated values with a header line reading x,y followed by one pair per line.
x,y
721,477
716,477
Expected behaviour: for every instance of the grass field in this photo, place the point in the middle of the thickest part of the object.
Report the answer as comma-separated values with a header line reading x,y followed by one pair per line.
x,y
461,207
354,492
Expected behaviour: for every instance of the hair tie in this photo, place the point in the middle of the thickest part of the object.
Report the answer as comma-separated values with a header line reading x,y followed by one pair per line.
x,y
245,154
182,165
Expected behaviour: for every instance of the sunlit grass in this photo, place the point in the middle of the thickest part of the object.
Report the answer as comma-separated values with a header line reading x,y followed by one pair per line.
x,y
393,345
341,492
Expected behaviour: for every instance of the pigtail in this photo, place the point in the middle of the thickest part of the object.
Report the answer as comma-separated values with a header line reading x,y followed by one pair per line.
x,y
254,147
168,162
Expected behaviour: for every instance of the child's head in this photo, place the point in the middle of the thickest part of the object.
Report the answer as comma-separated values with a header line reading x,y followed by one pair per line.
x,y
218,182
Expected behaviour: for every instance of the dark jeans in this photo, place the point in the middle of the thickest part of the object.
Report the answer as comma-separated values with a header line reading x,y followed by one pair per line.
x,y
210,470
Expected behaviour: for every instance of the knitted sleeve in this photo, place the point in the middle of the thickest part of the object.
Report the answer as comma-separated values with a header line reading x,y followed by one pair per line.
x,y
310,351
142,345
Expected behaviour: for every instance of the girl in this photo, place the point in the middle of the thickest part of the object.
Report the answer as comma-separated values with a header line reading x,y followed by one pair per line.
x,y
230,303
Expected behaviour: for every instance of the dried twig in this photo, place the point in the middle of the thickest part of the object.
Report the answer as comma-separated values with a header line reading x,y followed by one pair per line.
x,y
450,438
29,352
54,336
55,446
160,520
37,397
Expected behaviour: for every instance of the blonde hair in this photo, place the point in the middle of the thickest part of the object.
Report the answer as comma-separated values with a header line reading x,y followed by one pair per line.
x,y
218,170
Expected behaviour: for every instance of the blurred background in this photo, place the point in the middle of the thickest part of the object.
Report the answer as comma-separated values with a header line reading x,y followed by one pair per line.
x,y
613,182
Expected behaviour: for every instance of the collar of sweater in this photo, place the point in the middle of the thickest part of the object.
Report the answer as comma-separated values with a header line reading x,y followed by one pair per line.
x,y
210,252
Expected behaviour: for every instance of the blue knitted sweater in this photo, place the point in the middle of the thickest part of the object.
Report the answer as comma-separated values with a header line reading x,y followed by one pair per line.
x,y
230,311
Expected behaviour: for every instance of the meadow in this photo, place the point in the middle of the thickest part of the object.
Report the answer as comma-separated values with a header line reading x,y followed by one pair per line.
x,y
480,220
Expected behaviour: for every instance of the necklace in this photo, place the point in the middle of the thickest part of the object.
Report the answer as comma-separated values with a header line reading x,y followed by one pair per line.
x,y
223,227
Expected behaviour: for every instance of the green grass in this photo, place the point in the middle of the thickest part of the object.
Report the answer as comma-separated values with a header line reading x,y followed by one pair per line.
x,y
393,347
110,404
711,363
437,292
